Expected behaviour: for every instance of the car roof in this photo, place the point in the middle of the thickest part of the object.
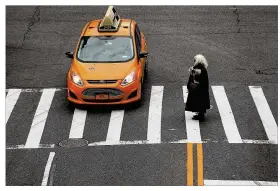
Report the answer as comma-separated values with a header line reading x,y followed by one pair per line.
x,y
125,29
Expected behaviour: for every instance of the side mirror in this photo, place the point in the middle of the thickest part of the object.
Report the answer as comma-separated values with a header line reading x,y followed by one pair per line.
x,y
143,54
69,54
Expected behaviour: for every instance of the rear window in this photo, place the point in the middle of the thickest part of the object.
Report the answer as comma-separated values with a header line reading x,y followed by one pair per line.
x,y
105,49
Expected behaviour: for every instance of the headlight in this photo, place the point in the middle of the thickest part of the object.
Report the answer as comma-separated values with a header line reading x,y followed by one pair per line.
x,y
129,79
76,79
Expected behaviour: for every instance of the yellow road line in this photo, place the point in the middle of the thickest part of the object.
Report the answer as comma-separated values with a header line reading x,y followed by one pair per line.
x,y
189,164
199,165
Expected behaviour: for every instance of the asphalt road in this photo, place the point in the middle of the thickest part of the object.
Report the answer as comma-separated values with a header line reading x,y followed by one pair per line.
x,y
241,46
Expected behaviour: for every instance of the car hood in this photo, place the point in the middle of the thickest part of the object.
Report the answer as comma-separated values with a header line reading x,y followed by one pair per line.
x,y
103,71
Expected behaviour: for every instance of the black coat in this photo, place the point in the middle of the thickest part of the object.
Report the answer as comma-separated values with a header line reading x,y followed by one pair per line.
x,y
198,96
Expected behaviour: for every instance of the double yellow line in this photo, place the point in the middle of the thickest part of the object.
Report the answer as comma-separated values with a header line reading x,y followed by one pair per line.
x,y
189,165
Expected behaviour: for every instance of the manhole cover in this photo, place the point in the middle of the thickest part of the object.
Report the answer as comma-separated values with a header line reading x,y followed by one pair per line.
x,y
73,143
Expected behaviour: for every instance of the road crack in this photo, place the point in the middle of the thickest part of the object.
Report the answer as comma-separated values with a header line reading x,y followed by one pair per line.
x,y
267,71
34,19
237,18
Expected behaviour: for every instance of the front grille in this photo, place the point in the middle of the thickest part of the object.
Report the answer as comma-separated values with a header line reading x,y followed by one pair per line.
x,y
109,91
102,101
102,81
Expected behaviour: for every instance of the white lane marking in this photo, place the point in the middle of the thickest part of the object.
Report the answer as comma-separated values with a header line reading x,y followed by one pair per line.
x,y
259,141
143,142
103,143
189,141
41,146
115,126
47,169
154,120
266,116
52,174
227,117
238,183
192,126
78,124
37,89
185,93
11,100
38,124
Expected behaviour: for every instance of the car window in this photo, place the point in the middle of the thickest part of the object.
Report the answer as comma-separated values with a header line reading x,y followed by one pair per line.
x,y
137,41
105,49
138,34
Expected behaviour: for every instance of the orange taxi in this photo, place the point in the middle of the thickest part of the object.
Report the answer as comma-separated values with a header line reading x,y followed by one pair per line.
x,y
109,63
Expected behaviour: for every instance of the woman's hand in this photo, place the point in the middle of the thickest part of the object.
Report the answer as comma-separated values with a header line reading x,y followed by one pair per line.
x,y
197,71
191,69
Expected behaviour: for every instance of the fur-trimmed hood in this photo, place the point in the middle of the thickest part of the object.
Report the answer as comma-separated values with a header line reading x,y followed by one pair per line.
x,y
200,59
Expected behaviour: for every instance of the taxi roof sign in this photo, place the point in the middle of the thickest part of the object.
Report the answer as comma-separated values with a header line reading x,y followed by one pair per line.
x,y
111,21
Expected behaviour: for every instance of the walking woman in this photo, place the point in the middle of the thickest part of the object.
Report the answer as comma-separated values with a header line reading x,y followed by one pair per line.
x,y
198,88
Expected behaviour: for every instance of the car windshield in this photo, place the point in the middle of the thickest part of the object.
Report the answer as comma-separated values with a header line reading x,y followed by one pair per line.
x,y
105,49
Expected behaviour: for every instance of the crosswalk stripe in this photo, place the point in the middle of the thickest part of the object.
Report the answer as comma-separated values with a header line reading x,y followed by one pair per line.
x,y
40,118
115,126
78,124
192,126
264,111
154,120
227,117
185,93
11,100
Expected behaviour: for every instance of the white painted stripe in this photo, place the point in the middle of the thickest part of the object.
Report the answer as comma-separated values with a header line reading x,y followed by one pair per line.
x,y
52,174
38,89
78,123
185,93
192,126
47,169
41,146
11,100
188,141
258,141
40,117
238,183
154,120
115,126
142,142
15,147
266,116
227,117
102,143
137,142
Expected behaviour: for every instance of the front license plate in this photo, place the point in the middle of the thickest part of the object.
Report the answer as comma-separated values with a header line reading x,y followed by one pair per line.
x,y
102,96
